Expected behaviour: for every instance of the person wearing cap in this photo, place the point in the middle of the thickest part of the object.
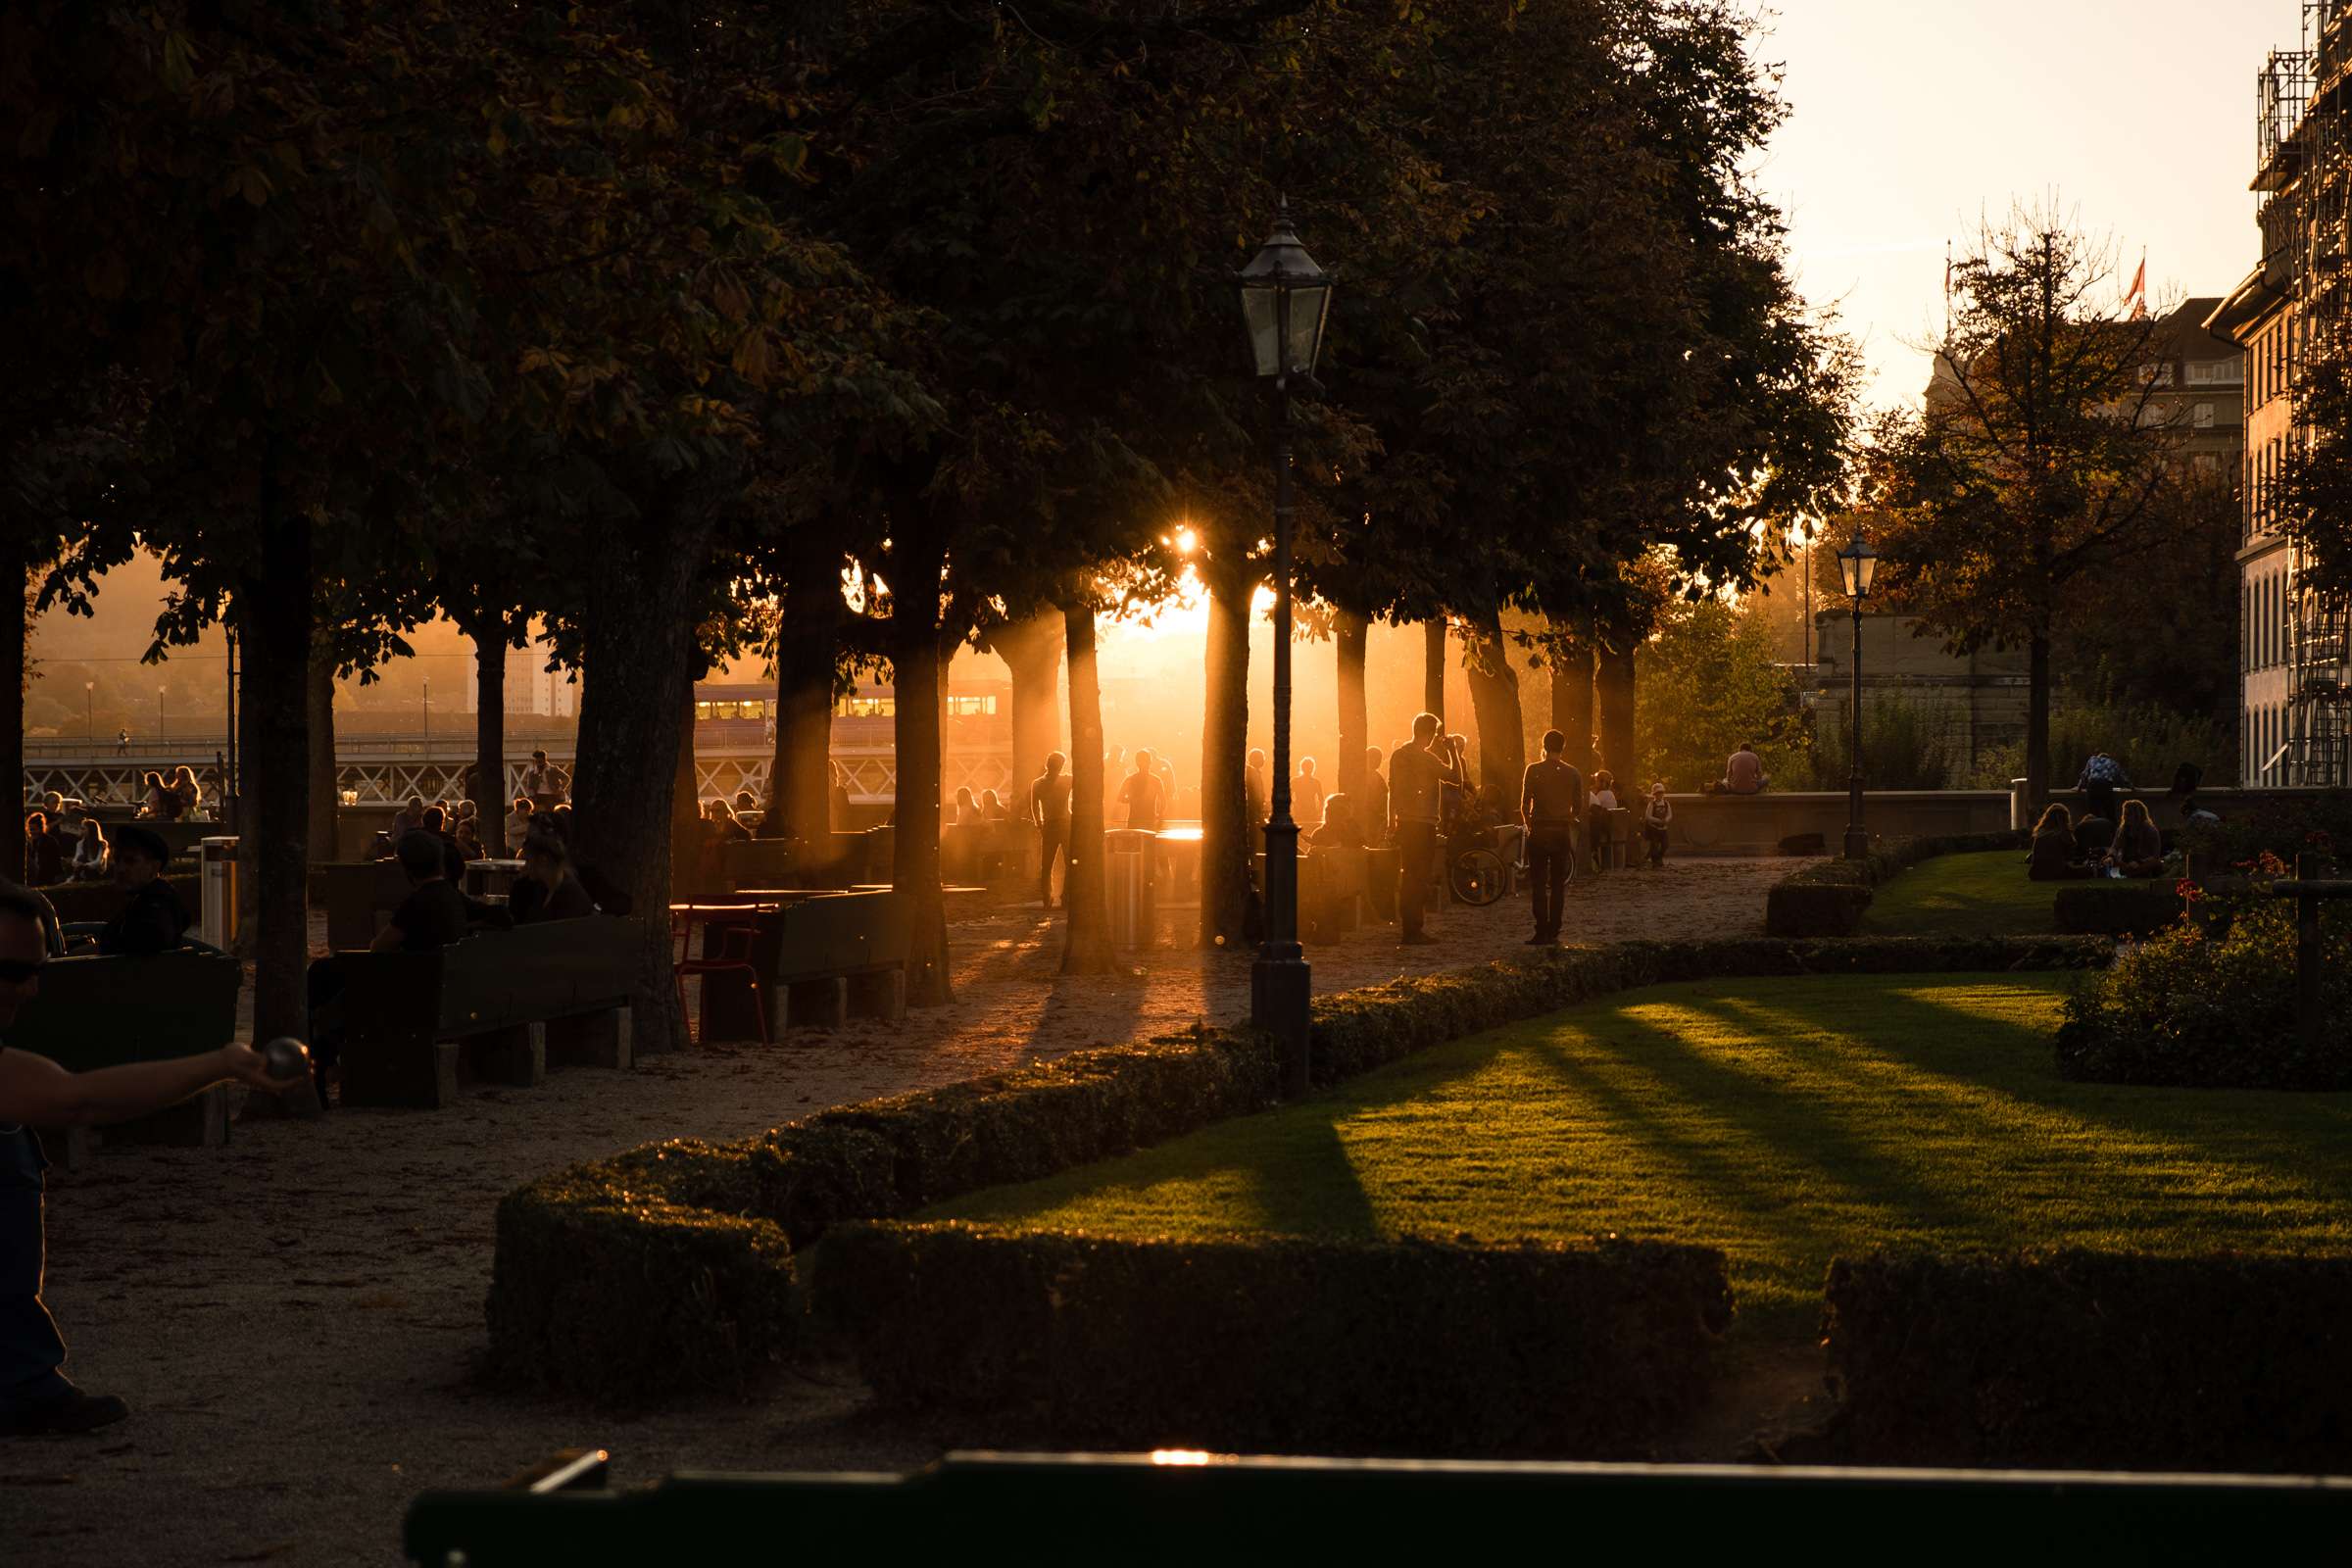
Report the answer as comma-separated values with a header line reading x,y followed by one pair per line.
x,y
36,1397
153,920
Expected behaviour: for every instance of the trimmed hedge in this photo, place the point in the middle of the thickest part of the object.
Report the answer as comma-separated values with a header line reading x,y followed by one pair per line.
x,y
886,1158
2104,907
1828,900
628,1280
1283,1344
2081,1359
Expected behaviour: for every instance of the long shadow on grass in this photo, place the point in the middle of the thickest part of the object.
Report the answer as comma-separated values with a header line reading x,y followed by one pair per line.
x,y
2276,1130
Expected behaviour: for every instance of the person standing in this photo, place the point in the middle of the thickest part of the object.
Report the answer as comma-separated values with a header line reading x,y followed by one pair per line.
x,y
1257,798
43,865
36,1397
1372,806
1656,816
1551,801
1145,797
1419,775
1049,809
1306,793
122,742
543,783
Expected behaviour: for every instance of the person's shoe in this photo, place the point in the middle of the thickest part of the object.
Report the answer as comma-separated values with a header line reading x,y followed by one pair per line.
x,y
74,1413
1538,940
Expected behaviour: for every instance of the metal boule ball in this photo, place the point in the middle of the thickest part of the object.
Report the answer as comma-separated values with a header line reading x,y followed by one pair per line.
x,y
286,1057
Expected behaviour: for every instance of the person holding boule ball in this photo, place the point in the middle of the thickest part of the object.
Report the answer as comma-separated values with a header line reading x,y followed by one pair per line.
x,y
35,1395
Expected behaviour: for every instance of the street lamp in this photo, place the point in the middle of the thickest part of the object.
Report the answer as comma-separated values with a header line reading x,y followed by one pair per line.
x,y
1285,300
1860,564
89,710
158,713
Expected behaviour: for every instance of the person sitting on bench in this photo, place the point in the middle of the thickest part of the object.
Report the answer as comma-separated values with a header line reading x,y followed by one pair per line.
x,y
432,916
547,890
153,920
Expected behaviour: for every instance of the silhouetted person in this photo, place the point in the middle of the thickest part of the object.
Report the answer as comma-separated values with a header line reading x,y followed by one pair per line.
x,y
1551,801
547,890
1049,809
1258,793
1144,795
1419,775
1372,802
1306,793
153,921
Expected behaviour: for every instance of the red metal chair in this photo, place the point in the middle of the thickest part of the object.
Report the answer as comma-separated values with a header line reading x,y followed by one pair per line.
x,y
734,953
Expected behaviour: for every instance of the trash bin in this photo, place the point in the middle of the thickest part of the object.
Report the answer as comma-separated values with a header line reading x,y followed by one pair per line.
x,y
1127,857
218,860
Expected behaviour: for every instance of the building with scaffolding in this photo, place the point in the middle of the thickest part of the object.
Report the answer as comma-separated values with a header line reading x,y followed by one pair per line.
x,y
2290,315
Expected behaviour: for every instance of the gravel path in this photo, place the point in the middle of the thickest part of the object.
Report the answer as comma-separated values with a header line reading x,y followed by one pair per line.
x,y
295,1319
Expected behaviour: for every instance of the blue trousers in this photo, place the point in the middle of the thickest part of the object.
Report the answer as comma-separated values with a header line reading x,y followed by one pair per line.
x,y
30,1351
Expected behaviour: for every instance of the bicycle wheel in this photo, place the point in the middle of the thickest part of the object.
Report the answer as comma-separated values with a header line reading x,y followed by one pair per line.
x,y
1476,876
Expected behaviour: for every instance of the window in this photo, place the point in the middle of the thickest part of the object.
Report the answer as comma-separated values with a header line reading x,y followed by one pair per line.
x,y
2217,372
2202,416
867,706
970,707
702,712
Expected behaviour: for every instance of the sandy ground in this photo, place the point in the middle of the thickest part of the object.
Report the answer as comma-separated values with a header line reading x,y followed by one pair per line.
x,y
295,1319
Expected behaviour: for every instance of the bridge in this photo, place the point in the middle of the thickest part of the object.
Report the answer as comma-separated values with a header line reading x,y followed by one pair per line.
x,y
387,769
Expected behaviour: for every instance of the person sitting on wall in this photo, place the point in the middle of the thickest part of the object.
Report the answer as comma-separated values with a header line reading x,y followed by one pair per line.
x,y
2138,848
43,866
2052,855
2194,813
1742,774
519,821
1656,816
1340,829
89,852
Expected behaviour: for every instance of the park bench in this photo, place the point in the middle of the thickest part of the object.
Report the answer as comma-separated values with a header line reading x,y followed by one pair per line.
x,y
503,1005
818,959
106,1011
1181,1506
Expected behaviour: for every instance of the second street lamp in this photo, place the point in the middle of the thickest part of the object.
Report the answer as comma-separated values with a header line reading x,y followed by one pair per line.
x,y
1285,300
1860,564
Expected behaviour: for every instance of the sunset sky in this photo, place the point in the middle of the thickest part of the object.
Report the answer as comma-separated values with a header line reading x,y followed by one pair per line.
x,y
1912,117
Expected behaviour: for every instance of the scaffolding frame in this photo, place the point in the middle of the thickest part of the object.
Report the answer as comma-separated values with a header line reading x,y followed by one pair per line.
x,y
2303,150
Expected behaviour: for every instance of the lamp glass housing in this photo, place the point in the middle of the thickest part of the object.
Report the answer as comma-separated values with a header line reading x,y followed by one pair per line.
x,y
1286,302
1860,564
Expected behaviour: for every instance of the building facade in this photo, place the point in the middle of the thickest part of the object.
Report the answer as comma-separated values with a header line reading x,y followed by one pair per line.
x,y
2294,697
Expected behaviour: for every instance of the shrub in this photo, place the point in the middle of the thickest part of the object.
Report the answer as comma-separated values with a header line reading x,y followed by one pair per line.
x,y
2104,907
576,1297
1828,899
1283,1344
1905,745
2200,1009
2083,1360
626,1281
2149,740
2282,828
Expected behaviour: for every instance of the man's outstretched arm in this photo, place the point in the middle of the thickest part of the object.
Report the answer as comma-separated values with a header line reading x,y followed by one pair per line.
x,y
35,1091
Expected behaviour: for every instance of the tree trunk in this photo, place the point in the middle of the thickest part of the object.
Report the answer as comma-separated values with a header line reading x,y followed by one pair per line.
x,y
489,795
1086,948
638,662
16,577
914,676
279,629
1615,688
1032,652
2037,718
1433,669
1495,703
800,773
327,777
1226,832
690,871
1349,636
1572,699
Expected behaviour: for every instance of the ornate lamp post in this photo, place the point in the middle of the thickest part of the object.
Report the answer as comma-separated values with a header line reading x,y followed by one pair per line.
x,y
1286,299
1860,564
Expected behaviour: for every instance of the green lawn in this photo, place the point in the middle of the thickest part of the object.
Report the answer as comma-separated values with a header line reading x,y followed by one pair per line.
x,y
1983,893
1783,1120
